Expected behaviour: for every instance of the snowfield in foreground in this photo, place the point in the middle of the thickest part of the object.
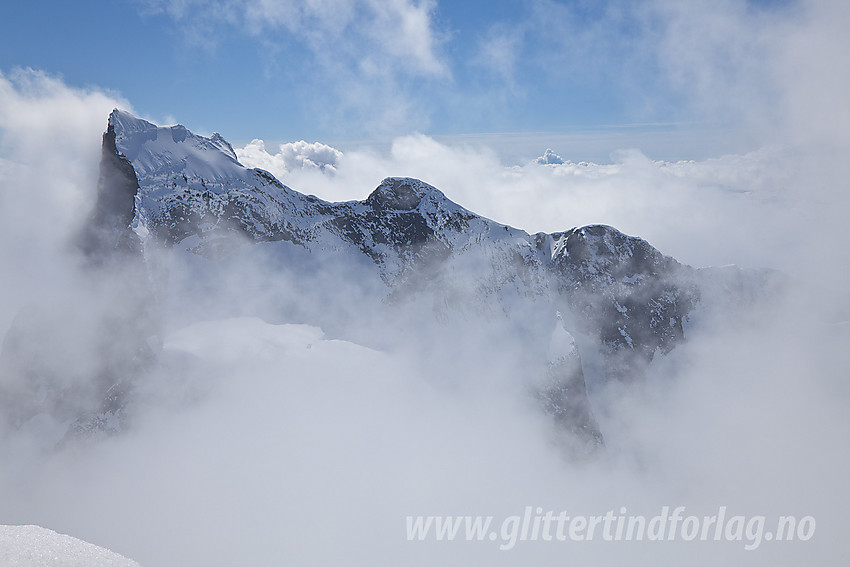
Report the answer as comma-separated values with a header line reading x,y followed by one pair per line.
x,y
34,546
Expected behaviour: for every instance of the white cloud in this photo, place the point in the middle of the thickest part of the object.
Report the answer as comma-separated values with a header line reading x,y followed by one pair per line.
x,y
736,209
360,56
293,156
765,69
397,33
317,449
814,82
549,158
761,71
500,50
49,153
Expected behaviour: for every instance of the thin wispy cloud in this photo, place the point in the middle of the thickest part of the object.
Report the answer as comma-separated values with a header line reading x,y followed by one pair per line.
x,y
366,54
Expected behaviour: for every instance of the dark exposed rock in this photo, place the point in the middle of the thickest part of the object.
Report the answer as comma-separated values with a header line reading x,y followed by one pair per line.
x,y
108,233
396,194
624,292
83,350
566,401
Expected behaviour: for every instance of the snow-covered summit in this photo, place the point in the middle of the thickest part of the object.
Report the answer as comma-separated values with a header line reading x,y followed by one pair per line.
x,y
163,150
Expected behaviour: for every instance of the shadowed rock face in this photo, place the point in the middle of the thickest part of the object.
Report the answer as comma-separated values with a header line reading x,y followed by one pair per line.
x,y
624,292
566,401
564,395
396,195
76,357
108,232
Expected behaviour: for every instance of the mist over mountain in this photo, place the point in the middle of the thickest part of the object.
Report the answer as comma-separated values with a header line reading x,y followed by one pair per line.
x,y
442,262
406,268
215,330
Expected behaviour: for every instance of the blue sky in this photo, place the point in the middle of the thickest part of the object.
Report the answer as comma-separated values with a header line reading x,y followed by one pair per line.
x,y
677,79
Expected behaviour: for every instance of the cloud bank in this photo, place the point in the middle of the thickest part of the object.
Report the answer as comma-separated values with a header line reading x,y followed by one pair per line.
x,y
49,151
736,209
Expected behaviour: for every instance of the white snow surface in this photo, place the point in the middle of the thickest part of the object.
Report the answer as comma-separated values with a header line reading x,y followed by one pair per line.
x,y
174,165
34,546
157,150
562,344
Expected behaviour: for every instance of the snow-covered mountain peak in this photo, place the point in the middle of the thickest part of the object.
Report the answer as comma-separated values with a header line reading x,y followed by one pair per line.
x,y
123,121
599,244
223,145
167,150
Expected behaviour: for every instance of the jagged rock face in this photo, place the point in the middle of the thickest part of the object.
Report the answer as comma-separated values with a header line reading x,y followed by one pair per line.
x,y
397,195
621,289
77,356
107,232
565,395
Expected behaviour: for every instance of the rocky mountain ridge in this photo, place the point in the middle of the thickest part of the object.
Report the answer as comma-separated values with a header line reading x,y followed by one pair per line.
x,y
166,188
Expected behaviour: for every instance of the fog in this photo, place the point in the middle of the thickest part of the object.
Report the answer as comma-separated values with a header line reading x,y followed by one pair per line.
x,y
290,417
